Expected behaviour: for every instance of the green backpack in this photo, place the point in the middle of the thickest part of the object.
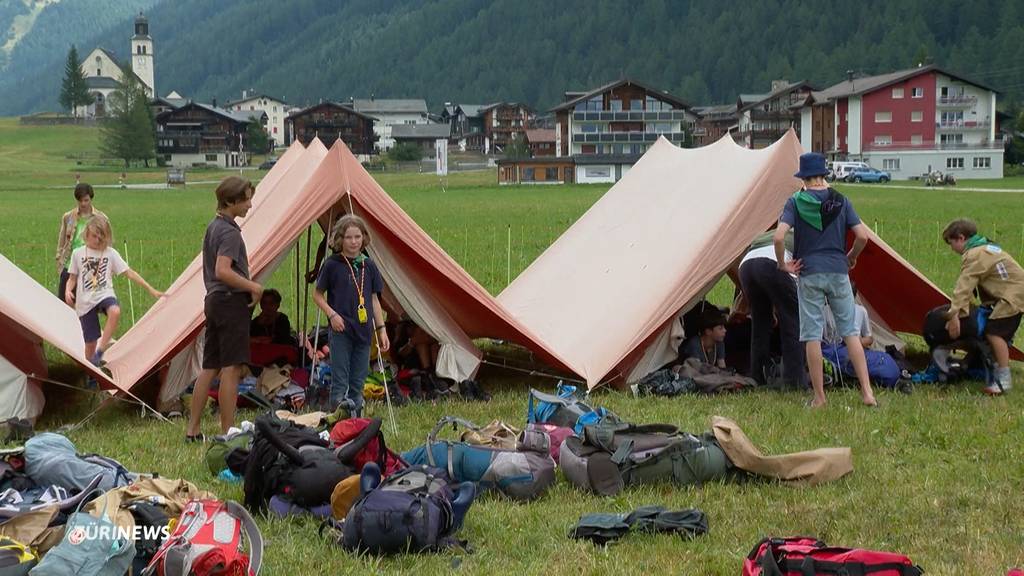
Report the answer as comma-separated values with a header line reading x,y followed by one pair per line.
x,y
217,453
611,456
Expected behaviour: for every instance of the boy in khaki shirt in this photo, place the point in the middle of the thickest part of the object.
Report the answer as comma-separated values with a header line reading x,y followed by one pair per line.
x,y
999,282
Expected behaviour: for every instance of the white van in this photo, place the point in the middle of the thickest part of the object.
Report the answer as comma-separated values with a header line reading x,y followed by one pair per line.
x,y
841,169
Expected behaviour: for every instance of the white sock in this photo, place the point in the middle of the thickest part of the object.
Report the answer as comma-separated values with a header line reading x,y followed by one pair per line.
x,y
1004,376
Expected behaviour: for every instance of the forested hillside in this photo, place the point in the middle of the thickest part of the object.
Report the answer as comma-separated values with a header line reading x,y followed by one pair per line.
x,y
529,50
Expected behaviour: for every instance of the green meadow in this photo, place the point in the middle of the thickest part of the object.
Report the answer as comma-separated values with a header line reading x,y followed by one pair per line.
x,y
937,473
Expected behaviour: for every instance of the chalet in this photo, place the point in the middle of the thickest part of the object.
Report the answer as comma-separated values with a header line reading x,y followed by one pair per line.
x,y
422,135
908,122
542,170
713,122
103,70
605,130
276,110
329,121
541,142
201,134
763,119
172,101
467,124
502,122
391,112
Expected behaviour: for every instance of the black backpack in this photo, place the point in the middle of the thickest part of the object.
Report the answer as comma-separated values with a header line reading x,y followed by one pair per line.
x,y
413,510
290,460
153,523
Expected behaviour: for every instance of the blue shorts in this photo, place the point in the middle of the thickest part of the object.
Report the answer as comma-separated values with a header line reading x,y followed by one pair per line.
x,y
813,291
91,319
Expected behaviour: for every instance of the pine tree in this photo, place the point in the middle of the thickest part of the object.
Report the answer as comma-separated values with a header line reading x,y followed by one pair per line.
x,y
128,134
73,90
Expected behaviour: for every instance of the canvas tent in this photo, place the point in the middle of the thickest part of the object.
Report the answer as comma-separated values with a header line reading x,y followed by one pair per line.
x,y
437,293
29,315
607,294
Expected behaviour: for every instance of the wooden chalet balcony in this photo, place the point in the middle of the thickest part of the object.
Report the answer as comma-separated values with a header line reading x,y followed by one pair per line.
x,y
957,101
625,137
628,115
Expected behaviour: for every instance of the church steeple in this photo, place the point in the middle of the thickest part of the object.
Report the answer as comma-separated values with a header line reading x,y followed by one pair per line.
x,y
142,53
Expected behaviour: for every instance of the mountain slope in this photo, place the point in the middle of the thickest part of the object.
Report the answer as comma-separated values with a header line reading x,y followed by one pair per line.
x,y
533,50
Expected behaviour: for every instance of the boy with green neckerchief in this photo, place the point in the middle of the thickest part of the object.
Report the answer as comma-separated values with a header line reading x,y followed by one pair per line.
x,y
999,281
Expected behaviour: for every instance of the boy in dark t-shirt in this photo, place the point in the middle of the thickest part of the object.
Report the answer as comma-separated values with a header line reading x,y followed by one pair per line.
x,y
820,217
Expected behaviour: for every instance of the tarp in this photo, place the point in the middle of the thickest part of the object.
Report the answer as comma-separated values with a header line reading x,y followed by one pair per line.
x,y
439,295
31,314
614,282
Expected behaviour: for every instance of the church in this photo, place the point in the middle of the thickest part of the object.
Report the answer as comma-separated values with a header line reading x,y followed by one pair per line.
x,y
103,70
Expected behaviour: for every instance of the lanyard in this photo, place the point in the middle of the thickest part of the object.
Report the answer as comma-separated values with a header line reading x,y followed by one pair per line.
x,y
362,279
714,357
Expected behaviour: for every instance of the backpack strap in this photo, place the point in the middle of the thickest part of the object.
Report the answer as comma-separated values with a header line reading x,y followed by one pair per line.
x,y
454,421
252,533
347,451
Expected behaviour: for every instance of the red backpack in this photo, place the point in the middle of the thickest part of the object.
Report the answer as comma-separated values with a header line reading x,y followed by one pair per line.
x,y
803,556
207,541
360,440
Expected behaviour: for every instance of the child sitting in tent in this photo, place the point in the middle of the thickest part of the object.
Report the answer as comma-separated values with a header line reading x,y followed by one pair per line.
x,y
707,344
90,287
999,282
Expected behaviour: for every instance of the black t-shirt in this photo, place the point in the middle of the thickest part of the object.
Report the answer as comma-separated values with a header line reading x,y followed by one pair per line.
x,y
336,279
280,332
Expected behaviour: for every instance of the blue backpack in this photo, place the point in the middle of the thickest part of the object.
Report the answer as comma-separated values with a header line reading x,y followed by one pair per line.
x,y
413,510
565,409
882,368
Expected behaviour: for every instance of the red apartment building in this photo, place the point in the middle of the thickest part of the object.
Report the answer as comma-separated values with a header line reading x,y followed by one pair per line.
x,y
908,123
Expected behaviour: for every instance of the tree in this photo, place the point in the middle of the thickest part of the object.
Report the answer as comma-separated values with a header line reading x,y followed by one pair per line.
x,y
256,139
405,152
128,134
73,91
517,148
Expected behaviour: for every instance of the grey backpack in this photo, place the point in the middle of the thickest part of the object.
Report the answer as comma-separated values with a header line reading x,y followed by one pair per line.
x,y
52,459
610,457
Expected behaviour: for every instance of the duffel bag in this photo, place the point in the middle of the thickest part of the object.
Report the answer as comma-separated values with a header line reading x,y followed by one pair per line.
x,y
803,556
413,510
520,475
565,408
610,457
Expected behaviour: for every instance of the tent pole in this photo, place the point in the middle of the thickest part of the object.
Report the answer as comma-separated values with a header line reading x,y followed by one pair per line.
x,y
131,298
387,389
305,299
295,294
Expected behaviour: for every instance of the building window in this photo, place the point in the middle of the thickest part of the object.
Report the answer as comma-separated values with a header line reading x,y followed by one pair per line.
x,y
883,140
588,149
143,49
636,104
891,164
916,116
655,105
211,157
951,139
528,174
275,129
138,49
917,92
616,148
916,139
659,127
636,149
551,174
616,105
897,93
882,117
598,171
954,163
983,162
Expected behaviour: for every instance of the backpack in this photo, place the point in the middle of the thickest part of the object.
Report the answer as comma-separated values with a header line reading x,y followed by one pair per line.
x,y
91,546
16,559
14,503
290,460
220,448
413,510
208,540
803,556
520,475
52,459
610,457
152,523
361,440
564,408
882,368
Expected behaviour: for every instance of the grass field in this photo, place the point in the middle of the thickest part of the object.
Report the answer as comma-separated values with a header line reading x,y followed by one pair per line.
x,y
938,473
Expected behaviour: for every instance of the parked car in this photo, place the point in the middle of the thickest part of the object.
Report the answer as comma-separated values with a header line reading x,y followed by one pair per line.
x,y
867,175
268,163
842,168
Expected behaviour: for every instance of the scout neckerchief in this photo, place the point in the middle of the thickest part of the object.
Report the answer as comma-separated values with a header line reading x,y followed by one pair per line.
x,y
818,213
975,241
359,259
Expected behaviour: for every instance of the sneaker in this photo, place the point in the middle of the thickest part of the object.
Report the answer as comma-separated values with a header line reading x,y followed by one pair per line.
x,y
197,439
97,358
994,389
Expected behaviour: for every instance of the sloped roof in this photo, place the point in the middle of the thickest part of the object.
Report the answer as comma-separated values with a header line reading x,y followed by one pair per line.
x,y
776,93
540,135
99,82
421,131
661,94
867,84
255,97
110,55
390,106
715,110
472,110
348,109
